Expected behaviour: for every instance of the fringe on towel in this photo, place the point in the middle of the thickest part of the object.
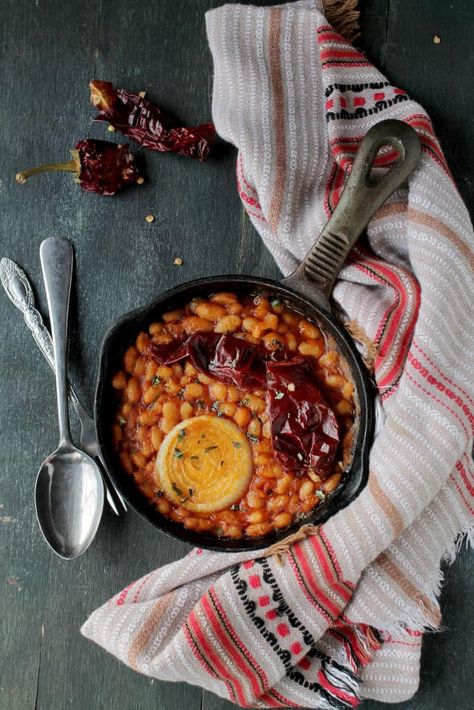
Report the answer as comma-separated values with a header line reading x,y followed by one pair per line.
x,y
343,15
417,616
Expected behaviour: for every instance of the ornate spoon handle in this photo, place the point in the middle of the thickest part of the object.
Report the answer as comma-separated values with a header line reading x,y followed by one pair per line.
x,y
20,293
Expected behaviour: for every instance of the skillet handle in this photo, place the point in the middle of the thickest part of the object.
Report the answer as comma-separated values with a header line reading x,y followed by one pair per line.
x,y
362,196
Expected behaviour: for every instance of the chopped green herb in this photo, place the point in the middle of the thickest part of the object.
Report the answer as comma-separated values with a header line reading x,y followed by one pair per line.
x,y
276,342
220,413
158,494
191,492
122,421
210,448
133,451
279,395
237,444
155,381
176,489
253,438
178,454
181,434
235,506
180,394
321,495
200,403
275,303
245,402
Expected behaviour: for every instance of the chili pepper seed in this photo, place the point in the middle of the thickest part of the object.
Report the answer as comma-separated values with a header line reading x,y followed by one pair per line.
x,y
142,94
110,129
437,39
150,218
178,261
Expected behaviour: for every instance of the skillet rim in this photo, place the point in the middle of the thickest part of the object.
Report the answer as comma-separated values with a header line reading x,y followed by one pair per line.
x,y
353,482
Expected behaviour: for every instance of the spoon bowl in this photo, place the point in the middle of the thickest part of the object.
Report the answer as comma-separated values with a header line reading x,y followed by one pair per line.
x,y
69,499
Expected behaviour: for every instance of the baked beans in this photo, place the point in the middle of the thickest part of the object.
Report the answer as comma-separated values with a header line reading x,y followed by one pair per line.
x,y
152,399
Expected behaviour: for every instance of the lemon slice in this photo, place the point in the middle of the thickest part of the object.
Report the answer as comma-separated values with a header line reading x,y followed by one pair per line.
x,y
204,464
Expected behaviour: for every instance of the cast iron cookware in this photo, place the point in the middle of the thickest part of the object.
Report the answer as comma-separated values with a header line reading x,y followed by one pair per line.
x,y
307,290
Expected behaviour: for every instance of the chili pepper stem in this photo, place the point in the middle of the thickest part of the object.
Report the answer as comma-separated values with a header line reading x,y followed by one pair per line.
x,y
69,166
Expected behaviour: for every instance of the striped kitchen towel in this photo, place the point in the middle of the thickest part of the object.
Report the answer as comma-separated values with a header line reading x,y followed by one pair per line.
x,y
342,618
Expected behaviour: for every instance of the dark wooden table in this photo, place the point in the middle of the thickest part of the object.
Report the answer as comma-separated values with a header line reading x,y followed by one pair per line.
x,y
49,51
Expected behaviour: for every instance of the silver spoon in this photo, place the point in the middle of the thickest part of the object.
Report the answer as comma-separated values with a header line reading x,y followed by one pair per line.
x,y
69,489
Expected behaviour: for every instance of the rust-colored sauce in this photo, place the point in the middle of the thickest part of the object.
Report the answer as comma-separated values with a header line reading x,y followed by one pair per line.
x,y
153,398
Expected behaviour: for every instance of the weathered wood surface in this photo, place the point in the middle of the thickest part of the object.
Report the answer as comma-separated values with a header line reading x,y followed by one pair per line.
x,y
49,50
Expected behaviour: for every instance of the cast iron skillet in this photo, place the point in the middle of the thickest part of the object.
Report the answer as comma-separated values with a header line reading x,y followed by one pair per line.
x,y
307,290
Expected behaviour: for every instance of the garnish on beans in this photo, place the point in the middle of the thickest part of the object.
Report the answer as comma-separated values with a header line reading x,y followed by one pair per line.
x,y
140,119
305,433
98,166
196,467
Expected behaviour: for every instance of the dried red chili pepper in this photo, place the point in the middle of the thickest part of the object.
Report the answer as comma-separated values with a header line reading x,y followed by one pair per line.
x,y
305,432
140,119
98,166
225,357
